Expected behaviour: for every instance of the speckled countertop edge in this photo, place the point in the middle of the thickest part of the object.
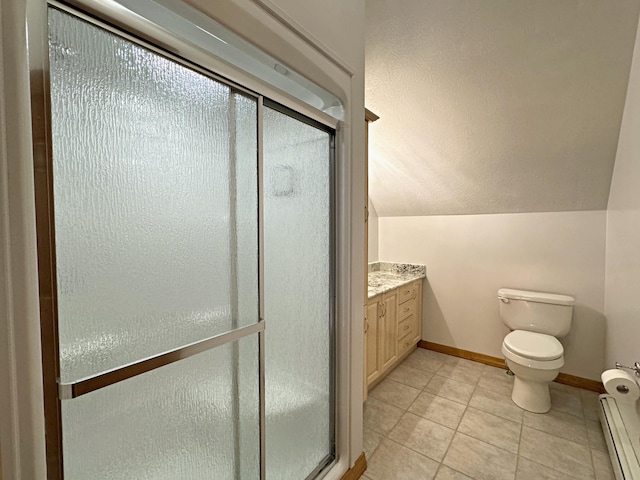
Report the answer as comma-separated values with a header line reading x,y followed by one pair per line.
x,y
386,276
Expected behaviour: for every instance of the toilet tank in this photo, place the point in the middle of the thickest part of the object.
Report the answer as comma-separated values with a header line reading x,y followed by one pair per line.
x,y
536,311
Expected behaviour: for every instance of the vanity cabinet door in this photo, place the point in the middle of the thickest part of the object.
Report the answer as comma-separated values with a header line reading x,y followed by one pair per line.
x,y
388,330
371,336
417,285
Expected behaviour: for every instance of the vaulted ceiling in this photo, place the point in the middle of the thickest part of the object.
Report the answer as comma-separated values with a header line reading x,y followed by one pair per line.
x,y
495,106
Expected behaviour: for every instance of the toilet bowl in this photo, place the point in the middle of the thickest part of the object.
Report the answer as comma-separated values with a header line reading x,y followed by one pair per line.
x,y
532,351
535,359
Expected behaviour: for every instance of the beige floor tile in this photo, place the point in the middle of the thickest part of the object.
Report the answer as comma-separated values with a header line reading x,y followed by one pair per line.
x,y
463,362
556,453
496,380
446,473
422,435
596,437
410,376
379,416
566,399
450,388
496,431
528,470
590,405
393,461
460,372
425,360
566,443
438,409
497,404
480,460
459,363
602,465
560,424
394,393
371,441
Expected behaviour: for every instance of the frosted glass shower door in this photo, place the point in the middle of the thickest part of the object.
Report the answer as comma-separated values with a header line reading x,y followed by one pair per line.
x,y
298,274
155,195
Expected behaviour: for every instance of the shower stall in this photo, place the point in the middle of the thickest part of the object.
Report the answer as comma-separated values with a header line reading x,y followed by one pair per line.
x,y
187,268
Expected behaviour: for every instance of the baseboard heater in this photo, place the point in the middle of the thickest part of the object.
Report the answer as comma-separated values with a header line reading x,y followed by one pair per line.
x,y
621,426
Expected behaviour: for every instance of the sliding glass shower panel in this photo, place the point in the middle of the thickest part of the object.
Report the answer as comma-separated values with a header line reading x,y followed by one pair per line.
x,y
181,421
155,197
244,253
298,300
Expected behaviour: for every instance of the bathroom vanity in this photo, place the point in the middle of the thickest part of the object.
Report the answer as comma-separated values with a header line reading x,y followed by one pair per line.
x,y
393,316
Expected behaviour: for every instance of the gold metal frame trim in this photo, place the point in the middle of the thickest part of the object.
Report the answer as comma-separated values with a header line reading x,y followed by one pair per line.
x,y
67,391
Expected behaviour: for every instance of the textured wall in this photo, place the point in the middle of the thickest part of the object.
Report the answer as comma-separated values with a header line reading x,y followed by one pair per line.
x,y
622,282
494,106
469,257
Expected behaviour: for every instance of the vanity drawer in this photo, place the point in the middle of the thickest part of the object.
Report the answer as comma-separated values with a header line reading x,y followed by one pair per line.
x,y
406,327
406,293
406,309
405,344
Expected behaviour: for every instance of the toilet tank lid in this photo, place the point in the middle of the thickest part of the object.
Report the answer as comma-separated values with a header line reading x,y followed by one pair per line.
x,y
539,297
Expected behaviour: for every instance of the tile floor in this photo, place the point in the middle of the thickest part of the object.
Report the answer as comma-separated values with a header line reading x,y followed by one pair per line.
x,y
445,418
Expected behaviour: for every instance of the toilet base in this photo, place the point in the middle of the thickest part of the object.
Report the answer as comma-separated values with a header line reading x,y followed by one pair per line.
x,y
531,396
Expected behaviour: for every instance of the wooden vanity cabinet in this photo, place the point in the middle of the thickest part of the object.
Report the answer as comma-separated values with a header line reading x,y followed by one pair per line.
x,y
393,327
388,325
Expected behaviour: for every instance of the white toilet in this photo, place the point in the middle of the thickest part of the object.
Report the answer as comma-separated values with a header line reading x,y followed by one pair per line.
x,y
532,350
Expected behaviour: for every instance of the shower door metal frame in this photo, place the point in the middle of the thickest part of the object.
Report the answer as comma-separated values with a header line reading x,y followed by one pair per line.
x,y
55,392
327,462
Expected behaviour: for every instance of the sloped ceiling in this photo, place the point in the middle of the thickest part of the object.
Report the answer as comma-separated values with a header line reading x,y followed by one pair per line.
x,y
495,106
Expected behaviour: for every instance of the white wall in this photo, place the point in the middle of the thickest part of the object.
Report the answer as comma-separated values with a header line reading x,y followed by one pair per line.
x,y
622,281
469,257
372,247
21,403
338,25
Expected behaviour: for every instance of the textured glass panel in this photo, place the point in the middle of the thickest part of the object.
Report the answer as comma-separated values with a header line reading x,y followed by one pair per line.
x,y
245,135
146,201
180,422
297,303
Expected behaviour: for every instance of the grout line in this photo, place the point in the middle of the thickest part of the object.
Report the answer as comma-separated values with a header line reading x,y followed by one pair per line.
x,y
378,445
519,443
550,468
593,462
557,436
456,431
458,426
415,451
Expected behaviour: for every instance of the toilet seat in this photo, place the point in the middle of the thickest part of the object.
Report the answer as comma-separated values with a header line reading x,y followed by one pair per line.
x,y
555,364
549,356
534,346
